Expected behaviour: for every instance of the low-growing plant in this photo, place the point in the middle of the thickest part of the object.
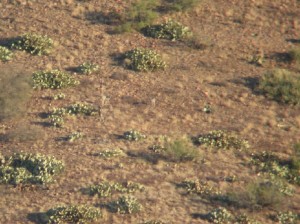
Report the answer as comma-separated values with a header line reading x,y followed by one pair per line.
x,y
144,60
181,5
106,189
88,68
220,215
222,140
199,187
180,150
79,214
244,219
281,85
108,153
257,195
15,91
170,30
133,135
74,136
125,205
59,96
56,121
52,79
286,217
295,55
153,222
29,168
34,44
5,54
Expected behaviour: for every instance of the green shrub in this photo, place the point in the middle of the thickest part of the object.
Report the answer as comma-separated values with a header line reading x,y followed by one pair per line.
x,y
282,86
53,79
125,205
133,135
73,214
180,150
222,140
258,195
15,91
106,189
34,44
220,215
295,55
181,5
29,168
145,60
88,68
5,54
139,15
286,218
169,30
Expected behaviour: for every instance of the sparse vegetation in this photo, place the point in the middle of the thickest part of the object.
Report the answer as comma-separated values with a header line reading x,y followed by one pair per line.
x,y
15,91
88,68
108,153
199,187
133,135
181,5
74,136
106,189
24,133
222,140
170,30
59,96
34,44
281,85
79,214
220,215
286,218
125,205
295,55
29,168
52,79
5,54
143,60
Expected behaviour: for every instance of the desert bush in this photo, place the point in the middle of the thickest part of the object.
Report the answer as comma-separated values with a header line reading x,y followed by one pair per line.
x,y
106,189
15,91
222,140
74,136
138,15
180,150
199,187
146,60
52,79
125,205
34,44
257,195
5,54
281,85
88,68
29,168
170,30
133,135
59,96
73,214
286,218
220,215
244,219
108,153
295,55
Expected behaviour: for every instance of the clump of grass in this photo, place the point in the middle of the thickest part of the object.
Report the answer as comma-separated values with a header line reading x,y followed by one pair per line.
x,y
133,135
295,55
180,150
282,86
74,136
138,15
286,217
257,195
15,91
181,5
125,205
144,60
52,79
29,168
5,54
88,68
57,115
73,214
108,153
199,187
106,189
222,140
220,215
34,44
170,30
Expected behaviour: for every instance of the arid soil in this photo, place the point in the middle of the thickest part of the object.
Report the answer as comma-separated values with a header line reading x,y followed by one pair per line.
x,y
168,102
